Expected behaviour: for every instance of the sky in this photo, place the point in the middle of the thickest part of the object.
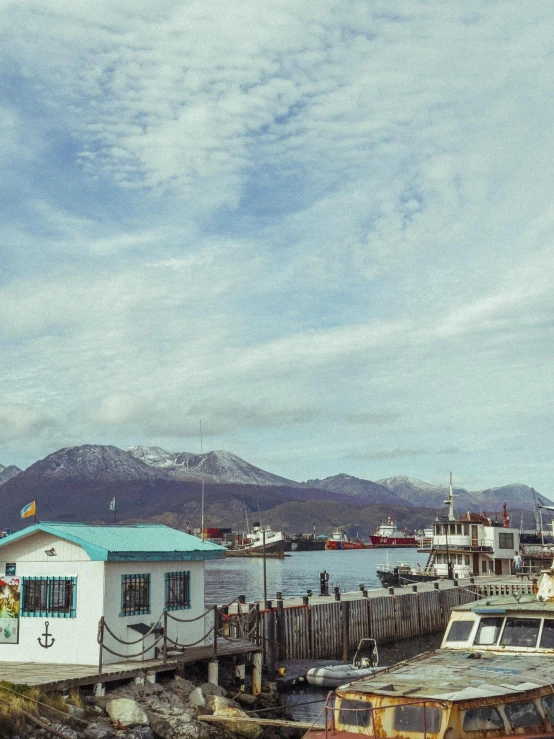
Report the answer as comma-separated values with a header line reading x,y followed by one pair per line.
x,y
323,229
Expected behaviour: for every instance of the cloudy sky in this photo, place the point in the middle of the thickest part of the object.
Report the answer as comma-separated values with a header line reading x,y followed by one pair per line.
x,y
322,228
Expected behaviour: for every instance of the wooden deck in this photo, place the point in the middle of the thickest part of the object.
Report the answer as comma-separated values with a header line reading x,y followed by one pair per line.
x,y
64,677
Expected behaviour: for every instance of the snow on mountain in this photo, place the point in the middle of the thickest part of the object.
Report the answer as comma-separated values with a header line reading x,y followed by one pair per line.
x,y
370,492
516,496
6,473
421,493
92,462
216,467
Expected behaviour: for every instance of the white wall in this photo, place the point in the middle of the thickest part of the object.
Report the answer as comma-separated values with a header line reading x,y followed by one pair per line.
x,y
183,633
75,638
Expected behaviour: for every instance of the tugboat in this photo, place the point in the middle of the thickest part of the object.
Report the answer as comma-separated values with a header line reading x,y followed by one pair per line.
x,y
492,677
387,535
339,540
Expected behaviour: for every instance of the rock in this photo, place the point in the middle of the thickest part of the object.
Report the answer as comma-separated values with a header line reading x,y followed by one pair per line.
x,y
197,697
211,689
181,687
161,727
141,732
99,730
75,711
215,702
127,712
247,729
65,730
246,699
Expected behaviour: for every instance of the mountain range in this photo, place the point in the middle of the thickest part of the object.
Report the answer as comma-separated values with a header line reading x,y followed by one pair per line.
x,y
77,483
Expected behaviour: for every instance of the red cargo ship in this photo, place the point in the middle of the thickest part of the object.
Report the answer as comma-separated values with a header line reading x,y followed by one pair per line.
x,y
387,535
339,540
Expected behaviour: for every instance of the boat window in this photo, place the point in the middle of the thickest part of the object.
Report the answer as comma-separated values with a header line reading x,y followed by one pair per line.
x,y
523,714
548,705
459,529
547,638
520,632
417,718
482,719
460,631
466,529
488,631
354,713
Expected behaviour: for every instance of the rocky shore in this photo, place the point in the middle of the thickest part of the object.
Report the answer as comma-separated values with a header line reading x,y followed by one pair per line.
x,y
165,710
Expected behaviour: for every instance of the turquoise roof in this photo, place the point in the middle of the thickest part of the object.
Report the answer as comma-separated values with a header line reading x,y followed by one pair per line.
x,y
123,543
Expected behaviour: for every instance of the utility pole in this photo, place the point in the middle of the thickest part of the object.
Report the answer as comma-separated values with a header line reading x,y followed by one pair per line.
x,y
202,502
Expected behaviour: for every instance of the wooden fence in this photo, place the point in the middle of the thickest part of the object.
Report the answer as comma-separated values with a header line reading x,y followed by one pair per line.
x,y
333,630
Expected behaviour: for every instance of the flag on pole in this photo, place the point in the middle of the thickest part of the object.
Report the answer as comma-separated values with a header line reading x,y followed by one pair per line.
x,y
112,504
29,510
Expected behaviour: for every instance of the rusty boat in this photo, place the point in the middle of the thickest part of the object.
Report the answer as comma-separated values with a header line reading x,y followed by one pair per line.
x,y
493,676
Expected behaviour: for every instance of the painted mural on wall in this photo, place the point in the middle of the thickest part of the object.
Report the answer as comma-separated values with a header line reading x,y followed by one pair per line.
x,y
10,595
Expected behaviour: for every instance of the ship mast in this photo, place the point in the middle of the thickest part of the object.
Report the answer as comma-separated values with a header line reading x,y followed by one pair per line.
x,y
450,502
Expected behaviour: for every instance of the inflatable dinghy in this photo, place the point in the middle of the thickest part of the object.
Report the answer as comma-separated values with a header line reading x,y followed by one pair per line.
x,y
332,676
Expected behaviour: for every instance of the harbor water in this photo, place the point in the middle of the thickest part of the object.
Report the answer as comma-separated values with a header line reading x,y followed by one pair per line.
x,y
298,572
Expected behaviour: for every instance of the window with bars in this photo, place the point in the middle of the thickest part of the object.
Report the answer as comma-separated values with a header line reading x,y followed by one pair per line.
x,y
177,590
135,595
49,596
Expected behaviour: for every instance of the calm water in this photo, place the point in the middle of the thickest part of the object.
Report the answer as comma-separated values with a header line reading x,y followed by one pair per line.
x,y
299,571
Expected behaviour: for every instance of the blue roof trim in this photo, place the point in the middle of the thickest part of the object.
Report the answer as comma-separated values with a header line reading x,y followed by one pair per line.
x,y
126,543
162,556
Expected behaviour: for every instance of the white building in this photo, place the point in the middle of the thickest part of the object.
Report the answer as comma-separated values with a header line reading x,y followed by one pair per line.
x,y
61,579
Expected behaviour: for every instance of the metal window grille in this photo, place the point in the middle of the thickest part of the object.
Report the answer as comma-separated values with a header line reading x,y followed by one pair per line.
x,y
135,594
177,590
49,596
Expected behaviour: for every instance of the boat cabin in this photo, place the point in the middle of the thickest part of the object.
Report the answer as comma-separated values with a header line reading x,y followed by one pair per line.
x,y
470,546
492,677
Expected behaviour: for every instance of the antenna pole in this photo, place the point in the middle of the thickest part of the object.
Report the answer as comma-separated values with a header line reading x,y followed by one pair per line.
x,y
202,503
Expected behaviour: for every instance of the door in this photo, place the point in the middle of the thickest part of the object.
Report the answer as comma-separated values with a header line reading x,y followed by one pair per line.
x,y
474,536
475,564
497,566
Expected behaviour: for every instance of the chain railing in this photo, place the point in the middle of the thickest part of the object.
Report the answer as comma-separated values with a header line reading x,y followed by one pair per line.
x,y
239,627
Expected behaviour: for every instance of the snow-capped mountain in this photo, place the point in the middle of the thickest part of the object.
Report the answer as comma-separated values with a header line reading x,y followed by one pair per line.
x,y
6,473
92,462
216,467
420,493
370,492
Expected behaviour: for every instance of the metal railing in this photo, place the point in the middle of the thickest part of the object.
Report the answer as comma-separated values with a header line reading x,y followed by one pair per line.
x,y
330,711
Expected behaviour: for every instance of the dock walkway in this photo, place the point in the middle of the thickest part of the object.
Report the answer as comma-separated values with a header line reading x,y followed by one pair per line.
x,y
63,677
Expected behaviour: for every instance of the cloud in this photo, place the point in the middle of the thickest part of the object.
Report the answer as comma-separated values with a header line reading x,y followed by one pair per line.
x,y
296,221
386,454
22,422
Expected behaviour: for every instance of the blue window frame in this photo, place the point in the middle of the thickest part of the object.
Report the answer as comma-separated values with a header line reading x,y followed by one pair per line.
x,y
177,591
53,597
135,594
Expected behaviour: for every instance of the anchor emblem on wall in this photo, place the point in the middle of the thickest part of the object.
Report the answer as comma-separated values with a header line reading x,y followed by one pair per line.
x,y
46,636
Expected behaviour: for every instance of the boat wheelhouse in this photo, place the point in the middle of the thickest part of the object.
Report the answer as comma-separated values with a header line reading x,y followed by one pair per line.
x,y
492,677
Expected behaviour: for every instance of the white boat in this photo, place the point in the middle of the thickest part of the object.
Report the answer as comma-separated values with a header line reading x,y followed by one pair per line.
x,y
259,539
458,547
331,676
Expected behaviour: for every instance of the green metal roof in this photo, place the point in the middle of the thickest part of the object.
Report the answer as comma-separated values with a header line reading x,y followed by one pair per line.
x,y
123,543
